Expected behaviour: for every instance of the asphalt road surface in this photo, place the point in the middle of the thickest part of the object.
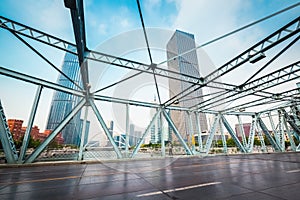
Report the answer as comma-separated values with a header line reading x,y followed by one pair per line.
x,y
256,176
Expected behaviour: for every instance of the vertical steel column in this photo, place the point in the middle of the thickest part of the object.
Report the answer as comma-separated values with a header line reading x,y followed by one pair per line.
x,y
171,123
7,140
191,130
199,132
212,133
242,131
252,135
162,137
225,150
83,133
233,135
55,132
127,130
274,131
30,123
137,147
281,131
292,142
104,127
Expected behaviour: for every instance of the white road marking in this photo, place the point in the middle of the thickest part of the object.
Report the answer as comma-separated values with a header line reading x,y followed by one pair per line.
x,y
178,189
293,171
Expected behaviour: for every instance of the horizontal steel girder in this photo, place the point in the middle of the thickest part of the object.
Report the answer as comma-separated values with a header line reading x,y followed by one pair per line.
x,y
275,38
38,81
285,96
56,42
278,77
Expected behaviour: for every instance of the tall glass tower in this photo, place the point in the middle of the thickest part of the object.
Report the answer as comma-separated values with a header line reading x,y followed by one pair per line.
x,y
62,103
179,43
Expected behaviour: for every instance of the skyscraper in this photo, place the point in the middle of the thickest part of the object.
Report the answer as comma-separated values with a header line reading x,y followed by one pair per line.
x,y
63,103
110,127
187,64
155,131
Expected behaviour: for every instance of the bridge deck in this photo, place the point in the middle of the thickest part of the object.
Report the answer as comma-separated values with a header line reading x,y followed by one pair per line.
x,y
261,176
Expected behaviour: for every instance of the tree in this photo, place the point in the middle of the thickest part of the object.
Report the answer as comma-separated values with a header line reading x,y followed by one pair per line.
x,y
219,143
31,143
230,142
267,142
53,145
256,141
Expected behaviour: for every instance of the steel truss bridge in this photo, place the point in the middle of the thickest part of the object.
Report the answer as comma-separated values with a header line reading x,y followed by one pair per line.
x,y
285,102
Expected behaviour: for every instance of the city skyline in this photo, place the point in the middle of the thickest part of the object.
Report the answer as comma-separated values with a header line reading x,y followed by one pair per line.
x,y
179,20
251,77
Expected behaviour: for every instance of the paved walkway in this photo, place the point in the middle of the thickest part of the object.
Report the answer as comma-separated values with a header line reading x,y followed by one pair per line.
x,y
261,176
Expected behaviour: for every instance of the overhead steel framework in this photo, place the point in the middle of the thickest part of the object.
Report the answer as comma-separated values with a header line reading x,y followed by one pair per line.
x,y
285,102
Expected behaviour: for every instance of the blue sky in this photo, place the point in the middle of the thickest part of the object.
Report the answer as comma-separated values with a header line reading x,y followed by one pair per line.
x,y
106,19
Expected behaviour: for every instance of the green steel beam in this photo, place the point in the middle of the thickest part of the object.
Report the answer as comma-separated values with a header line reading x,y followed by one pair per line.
x,y
233,135
171,123
104,127
138,146
30,124
7,140
31,158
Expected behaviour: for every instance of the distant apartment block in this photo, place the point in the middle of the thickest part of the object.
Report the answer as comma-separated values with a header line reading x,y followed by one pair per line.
x,y
18,131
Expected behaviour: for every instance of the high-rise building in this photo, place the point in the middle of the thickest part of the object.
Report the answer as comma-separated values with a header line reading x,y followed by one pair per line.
x,y
111,128
187,64
132,138
245,126
154,130
153,139
157,129
63,103
15,127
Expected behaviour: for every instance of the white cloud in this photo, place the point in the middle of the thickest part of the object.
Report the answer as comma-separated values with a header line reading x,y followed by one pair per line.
x,y
49,16
208,20
102,29
151,4
124,23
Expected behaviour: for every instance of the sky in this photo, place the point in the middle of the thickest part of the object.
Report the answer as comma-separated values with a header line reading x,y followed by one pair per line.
x,y
114,27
